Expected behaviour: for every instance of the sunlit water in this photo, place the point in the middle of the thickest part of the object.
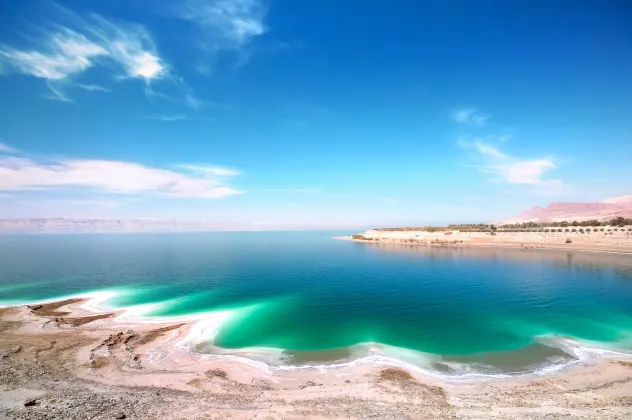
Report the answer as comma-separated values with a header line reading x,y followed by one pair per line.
x,y
312,300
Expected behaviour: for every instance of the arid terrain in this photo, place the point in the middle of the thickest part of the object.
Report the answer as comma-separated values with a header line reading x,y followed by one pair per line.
x,y
604,239
603,210
60,361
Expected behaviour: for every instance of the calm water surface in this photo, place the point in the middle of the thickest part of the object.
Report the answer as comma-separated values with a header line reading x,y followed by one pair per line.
x,y
320,299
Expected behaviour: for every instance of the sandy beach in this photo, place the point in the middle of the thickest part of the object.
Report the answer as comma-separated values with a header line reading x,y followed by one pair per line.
x,y
612,239
64,360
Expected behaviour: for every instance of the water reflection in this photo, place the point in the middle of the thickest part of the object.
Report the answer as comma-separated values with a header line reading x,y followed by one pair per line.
x,y
596,262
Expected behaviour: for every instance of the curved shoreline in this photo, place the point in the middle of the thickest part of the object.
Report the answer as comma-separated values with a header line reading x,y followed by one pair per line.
x,y
107,351
193,327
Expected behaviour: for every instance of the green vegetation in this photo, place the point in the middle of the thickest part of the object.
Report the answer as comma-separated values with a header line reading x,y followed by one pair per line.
x,y
518,227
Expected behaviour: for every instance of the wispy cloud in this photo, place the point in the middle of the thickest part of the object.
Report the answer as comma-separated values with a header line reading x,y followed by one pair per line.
x,y
225,24
67,52
168,118
114,177
130,46
5,148
210,170
293,190
64,54
193,101
92,88
514,170
469,116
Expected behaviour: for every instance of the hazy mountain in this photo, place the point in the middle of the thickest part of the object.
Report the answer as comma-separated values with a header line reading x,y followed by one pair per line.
x,y
604,210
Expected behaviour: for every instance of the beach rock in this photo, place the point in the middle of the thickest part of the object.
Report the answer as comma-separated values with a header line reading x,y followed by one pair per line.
x,y
30,402
309,383
35,307
119,416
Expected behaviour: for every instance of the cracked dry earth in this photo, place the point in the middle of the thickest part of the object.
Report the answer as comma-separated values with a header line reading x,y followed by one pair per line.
x,y
41,377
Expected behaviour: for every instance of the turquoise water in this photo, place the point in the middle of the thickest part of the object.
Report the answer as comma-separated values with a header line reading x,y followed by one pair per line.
x,y
322,300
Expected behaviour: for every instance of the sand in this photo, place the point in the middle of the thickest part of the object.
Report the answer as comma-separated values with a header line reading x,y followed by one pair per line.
x,y
612,239
77,364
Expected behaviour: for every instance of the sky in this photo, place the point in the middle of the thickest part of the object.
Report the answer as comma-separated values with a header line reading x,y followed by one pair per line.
x,y
305,113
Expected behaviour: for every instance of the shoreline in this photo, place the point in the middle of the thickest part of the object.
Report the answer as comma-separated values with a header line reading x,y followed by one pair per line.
x,y
83,309
621,243
117,352
499,244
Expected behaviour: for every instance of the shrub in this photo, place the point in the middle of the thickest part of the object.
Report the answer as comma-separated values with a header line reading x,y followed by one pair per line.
x,y
567,230
395,375
217,373
581,230
568,241
574,230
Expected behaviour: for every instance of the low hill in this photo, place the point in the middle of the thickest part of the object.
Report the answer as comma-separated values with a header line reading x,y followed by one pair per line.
x,y
558,212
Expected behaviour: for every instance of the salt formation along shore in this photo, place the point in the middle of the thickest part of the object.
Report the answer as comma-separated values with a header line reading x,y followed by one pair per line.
x,y
76,359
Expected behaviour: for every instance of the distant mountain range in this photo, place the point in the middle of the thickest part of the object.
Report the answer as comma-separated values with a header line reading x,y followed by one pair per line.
x,y
557,212
554,212
94,225
88,225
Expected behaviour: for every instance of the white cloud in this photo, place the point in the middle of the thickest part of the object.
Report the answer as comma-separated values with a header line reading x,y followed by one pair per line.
x,y
514,170
210,170
130,46
226,24
66,53
112,177
469,116
530,172
192,101
488,150
92,88
5,148
168,118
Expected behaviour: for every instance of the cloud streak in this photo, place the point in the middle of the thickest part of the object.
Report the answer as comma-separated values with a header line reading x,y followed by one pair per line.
x,y
513,170
225,24
469,116
66,53
92,88
5,148
115,177
168,118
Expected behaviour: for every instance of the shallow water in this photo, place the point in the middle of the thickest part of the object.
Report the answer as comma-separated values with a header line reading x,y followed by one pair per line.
x,y
320,301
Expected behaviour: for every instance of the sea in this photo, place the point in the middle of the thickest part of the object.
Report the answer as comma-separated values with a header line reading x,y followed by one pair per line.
x,y
302,300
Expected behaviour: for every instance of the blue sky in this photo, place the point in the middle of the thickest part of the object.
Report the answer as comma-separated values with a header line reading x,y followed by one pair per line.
x,y
295,113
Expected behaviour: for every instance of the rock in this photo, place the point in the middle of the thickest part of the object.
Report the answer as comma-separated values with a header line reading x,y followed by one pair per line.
x,y
309,383
119,416
30,402
35,307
